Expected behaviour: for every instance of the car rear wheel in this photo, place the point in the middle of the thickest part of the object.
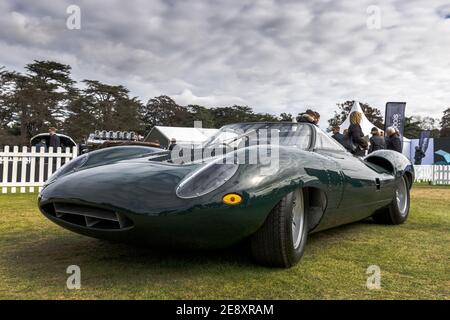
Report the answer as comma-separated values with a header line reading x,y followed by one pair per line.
x,y
280,241
397,212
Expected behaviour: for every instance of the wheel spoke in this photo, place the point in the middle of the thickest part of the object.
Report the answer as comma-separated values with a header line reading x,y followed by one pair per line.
x,y
401,195
297,218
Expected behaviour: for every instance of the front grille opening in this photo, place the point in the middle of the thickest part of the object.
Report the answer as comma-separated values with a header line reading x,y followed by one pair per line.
x,y
87,216
49,209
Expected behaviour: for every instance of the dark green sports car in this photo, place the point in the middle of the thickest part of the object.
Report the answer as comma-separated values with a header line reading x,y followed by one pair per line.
x,y
271,183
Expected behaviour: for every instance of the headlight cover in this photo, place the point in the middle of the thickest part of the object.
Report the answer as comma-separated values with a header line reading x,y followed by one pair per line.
x,y
69,167
206,179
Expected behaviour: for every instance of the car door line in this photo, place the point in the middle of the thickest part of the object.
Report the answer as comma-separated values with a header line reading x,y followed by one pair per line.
x,y
329,155
378,184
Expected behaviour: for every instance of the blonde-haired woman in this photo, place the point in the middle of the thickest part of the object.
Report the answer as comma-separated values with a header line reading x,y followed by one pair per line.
x,y
358,145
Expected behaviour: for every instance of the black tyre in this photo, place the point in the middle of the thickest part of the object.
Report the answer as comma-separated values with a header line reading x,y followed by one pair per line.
x,y
397,212
280,241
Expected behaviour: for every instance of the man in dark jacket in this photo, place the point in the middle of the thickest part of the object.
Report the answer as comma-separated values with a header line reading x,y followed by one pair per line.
x,y
173,143
393,141
377,142
54,139
41,144
418,156
338,136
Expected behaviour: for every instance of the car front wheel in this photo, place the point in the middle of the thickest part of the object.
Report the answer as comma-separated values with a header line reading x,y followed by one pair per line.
x,y
281,240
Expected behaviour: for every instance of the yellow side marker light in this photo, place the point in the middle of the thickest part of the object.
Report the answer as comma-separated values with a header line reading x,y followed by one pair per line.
x,y
232,198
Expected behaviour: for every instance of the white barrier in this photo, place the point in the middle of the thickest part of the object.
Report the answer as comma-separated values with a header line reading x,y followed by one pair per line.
x,y
441,174
27,169
436,174
423,173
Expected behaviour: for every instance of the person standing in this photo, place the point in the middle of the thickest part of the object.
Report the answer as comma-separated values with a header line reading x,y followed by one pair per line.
x,y
173,143
346,140
309,116
418,156
393,141
55,142
338,136
41,144
358,144
377,142
317,118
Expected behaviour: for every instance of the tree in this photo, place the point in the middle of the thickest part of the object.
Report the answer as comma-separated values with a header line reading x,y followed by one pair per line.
x,y
445,123
37,99
102,106
285,117
234,114
5,98
429,124
200,113
227,115
81,120
412,128
102,101
265,117
163,111
126,115
373,114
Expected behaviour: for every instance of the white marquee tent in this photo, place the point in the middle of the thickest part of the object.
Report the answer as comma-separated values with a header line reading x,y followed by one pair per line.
x,y
366,125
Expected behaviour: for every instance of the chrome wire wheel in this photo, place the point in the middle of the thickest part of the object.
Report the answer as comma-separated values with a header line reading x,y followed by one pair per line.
x,y
298,214
401,195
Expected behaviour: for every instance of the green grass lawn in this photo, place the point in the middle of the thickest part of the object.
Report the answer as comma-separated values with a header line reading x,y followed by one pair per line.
x,y
414,259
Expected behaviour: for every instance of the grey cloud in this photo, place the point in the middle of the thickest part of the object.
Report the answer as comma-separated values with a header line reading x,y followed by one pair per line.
x,y
276,56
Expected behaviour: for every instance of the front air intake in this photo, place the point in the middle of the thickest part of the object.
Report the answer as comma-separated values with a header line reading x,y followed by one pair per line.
x,y
87,216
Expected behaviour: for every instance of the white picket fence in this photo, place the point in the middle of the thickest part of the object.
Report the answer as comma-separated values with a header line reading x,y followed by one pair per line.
x,y
26,169
436,174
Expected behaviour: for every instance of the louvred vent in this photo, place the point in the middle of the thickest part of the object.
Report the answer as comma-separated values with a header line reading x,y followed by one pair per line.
x,y
87,216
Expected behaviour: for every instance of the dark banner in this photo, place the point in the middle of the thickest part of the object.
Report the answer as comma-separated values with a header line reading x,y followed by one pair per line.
x,y
395,116
424,140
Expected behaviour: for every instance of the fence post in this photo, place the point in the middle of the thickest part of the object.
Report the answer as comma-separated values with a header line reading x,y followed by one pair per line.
x,y
23,169
58,159
32,168
50,162
68,155
74,152
432,180
5,167
41,167
15,159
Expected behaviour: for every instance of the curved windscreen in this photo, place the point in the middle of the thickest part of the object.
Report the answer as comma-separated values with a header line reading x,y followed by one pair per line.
x,y
283,133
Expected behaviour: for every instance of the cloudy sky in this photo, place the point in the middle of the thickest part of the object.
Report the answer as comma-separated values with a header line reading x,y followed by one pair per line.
x,y
275,56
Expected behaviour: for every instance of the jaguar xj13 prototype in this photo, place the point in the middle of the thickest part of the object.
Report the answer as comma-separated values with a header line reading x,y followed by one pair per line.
x,y
270,194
